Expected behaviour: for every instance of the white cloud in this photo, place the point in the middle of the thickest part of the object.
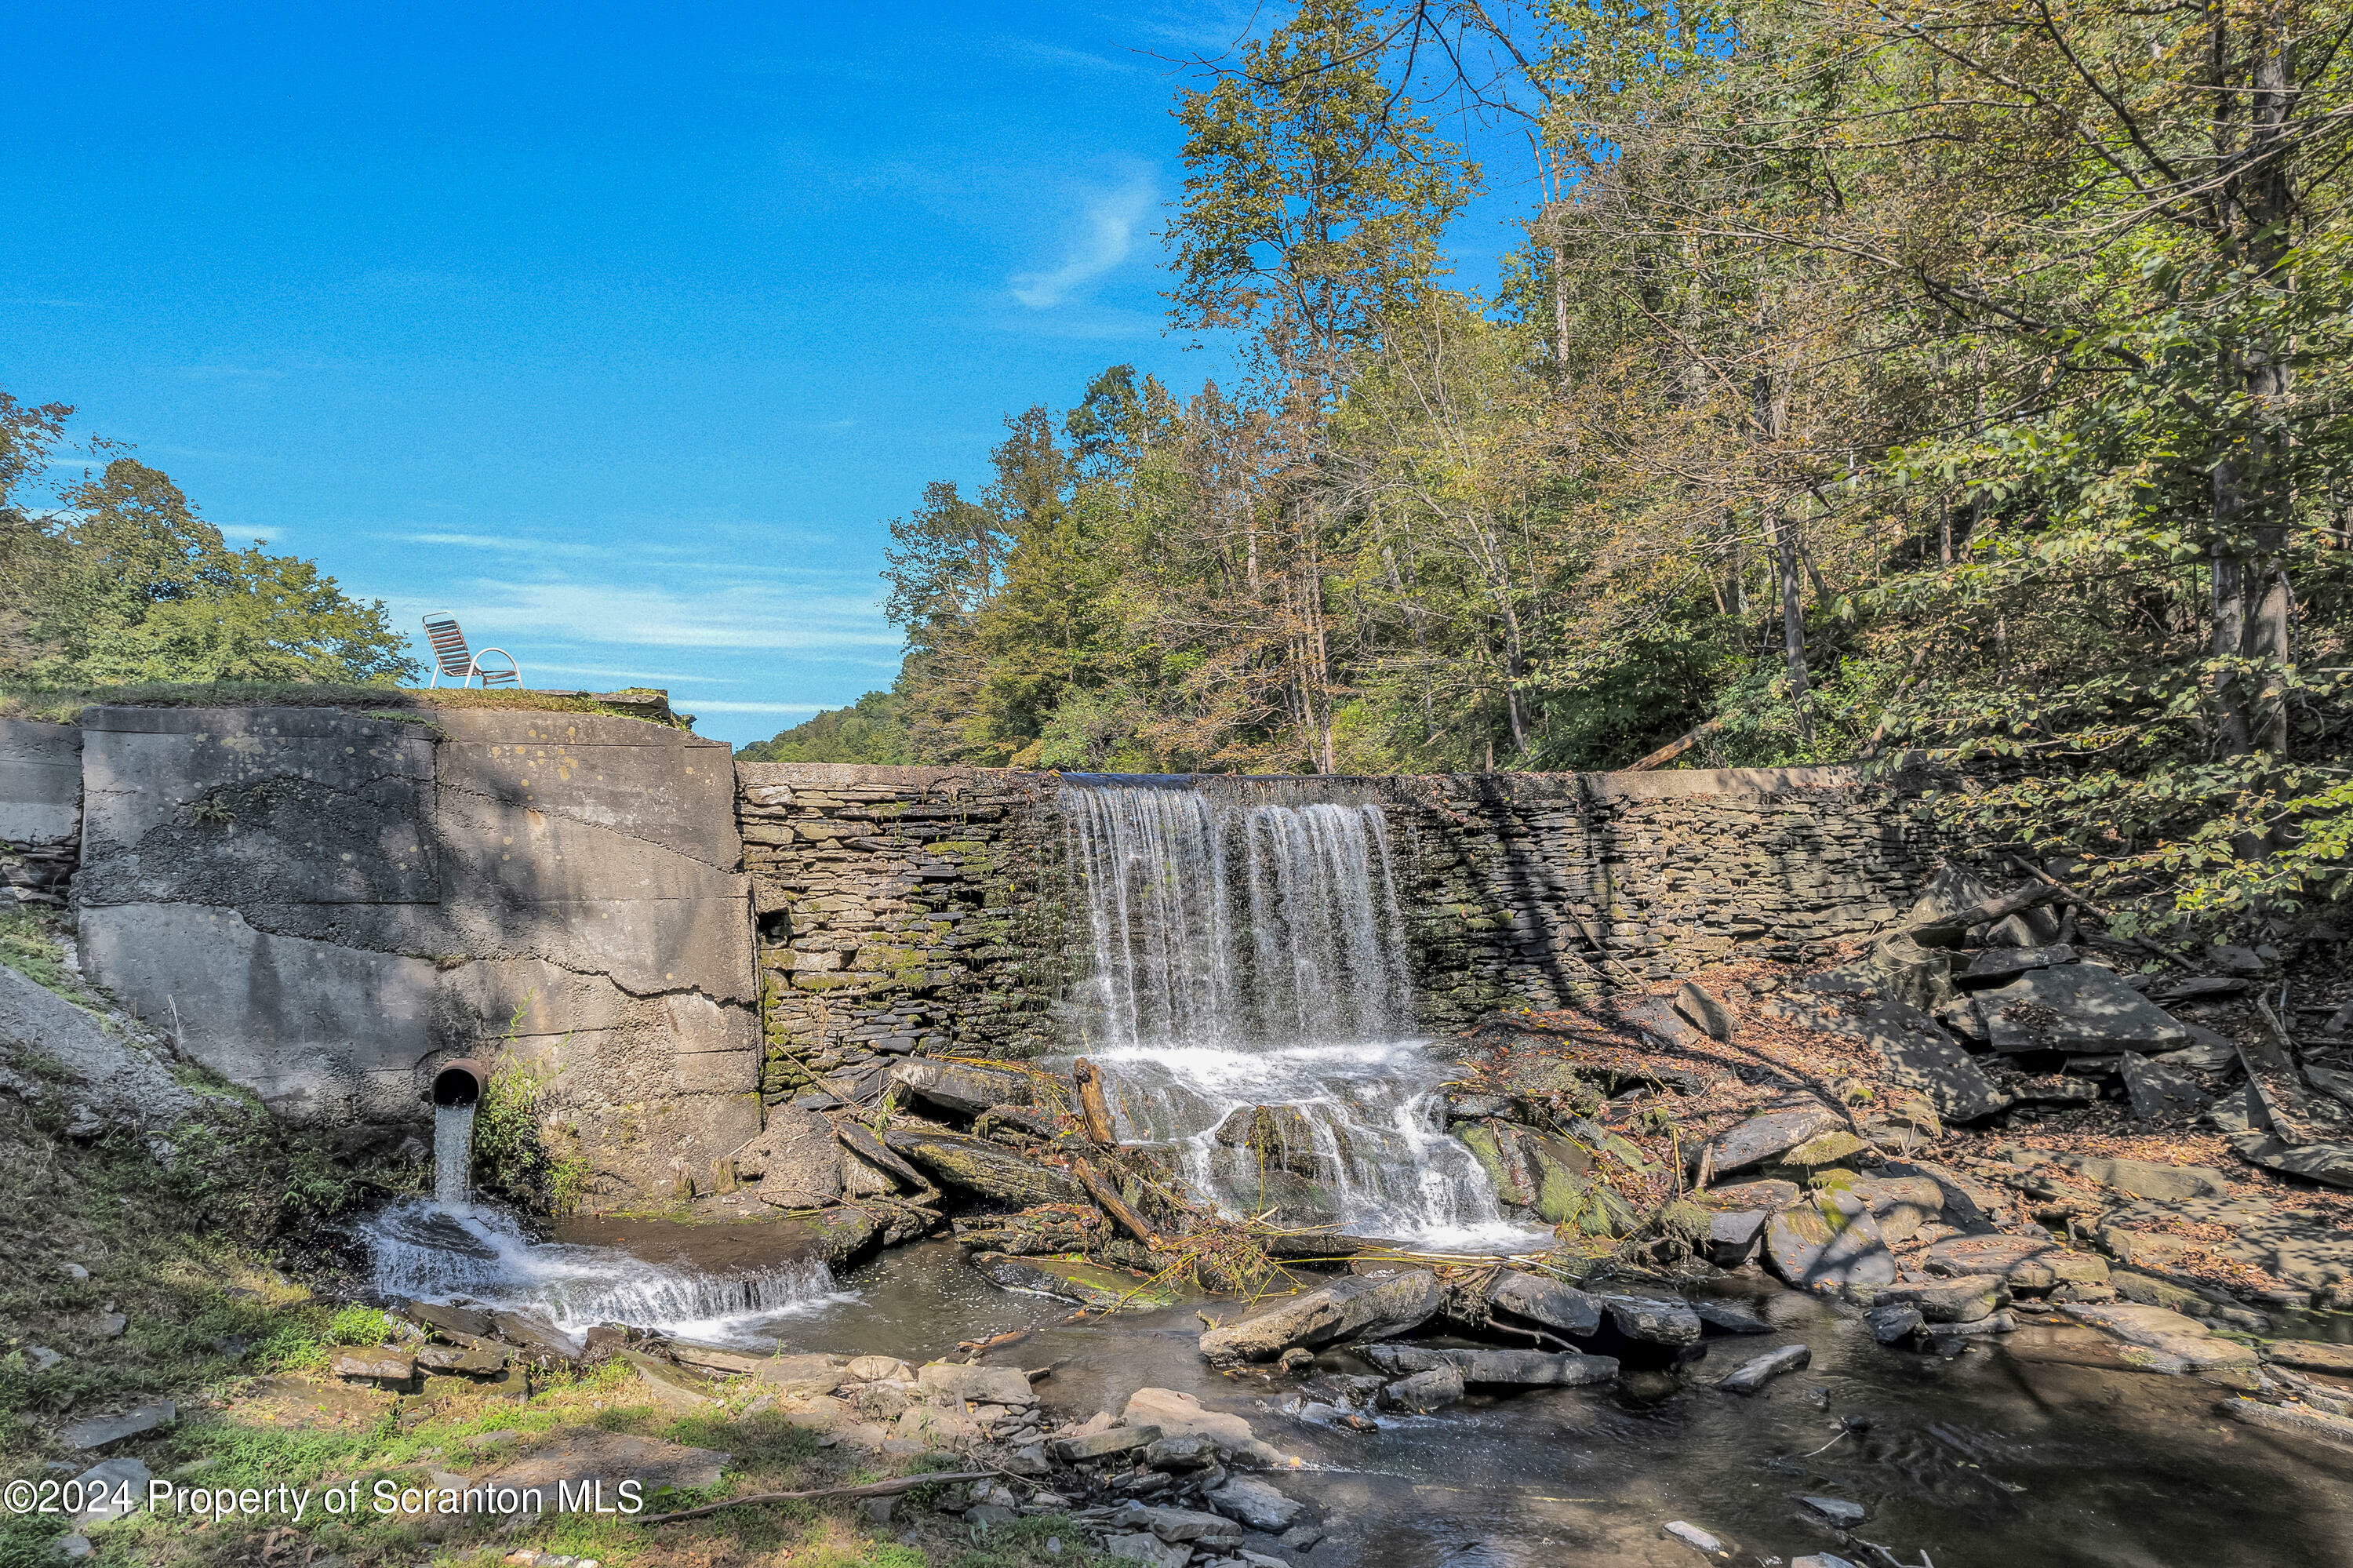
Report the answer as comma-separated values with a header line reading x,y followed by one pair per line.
x,y
1106,234
735,615
606,672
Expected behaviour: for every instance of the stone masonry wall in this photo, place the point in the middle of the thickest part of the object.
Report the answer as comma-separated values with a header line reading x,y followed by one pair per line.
x,y
40,809
929,910
901,910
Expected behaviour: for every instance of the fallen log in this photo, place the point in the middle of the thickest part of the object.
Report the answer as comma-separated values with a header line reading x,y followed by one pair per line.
x,y
1673,748
1093,1107
1107,1198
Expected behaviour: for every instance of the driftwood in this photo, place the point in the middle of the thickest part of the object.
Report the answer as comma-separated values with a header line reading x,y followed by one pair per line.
x,y
1673,748
891,1487
1107,1197
2085,904
1092,1105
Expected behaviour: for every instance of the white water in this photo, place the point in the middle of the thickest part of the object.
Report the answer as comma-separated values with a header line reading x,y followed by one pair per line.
x,y
453,1153
479,1255
1253,955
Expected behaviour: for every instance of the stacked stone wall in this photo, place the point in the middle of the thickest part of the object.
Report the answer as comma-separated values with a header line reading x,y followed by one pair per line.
x,y
40,809
925,910
902,910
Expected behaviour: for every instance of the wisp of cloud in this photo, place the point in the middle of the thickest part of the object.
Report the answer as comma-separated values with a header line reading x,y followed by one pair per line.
x,y
1107,232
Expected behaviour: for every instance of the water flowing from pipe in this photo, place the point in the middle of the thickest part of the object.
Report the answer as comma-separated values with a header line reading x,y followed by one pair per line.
x,y
453,1154
1248,998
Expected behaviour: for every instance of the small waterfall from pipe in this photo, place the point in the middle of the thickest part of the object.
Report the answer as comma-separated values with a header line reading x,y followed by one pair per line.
x,y
1249,1000
453,1155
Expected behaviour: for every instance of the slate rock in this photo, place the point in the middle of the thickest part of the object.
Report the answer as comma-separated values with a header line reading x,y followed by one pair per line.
x,y
2174,1336
1752,1375
103,1487
1844,1513
1143,1546
1998,966
1827,1244
1520,1369
1424,1391
1724,1318
1255,1504
99,1431
2076,1008
1091,1445
2297,1420
1894,1321
977,1165
673,1387
1657,1320
1901,1204
461,1360
802,1375
1958,1299
1699,1540
1768,1136
2328,1163
2160,1092
1562,1307
2024,1264
1368,1307
794,1162
989,1385
1769,1195
1075,1279
1703,1011
961,1086
1733,1238
1180,1526
1918,1055
2146,1178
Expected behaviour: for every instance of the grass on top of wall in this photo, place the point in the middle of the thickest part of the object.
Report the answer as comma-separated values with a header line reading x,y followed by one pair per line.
x,y
63,704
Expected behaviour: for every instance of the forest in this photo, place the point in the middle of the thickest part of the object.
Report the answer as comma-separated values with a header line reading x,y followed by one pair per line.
x,y
1876,381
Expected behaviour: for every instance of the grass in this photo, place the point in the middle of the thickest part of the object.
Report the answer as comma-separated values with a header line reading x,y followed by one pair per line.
x,y
63,704
28,944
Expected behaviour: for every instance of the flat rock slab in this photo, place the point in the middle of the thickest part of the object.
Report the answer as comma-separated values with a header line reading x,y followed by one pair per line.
x,y
2311,1355
2160,1092
2331,1164
1075,1279
114,1489
2297,1420
1918,1054
1368,1307
98,1431
1754,1374
1657,1320
1769,1136
1961,1299
1543,1300
2145,1178
1510,1369
961,1086
1726,1319
1769,1195
990,1385
1998,966
802,1374
2168,1333
1168,1411
2024,1264
671,1387
2077,1008
979,1166
1733,1238
377,1366
1901,1204
1418,1394
1828,1245
576,1454
1256,1504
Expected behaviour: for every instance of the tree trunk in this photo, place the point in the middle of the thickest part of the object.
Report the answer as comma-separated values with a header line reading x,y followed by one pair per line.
x,y
1793,621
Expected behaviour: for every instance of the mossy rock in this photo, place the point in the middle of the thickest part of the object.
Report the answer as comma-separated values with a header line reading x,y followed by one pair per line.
x,y
1076,1279
1825,1149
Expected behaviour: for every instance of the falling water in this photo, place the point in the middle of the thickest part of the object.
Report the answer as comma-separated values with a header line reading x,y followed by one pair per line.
x,y
1249,999
453,1154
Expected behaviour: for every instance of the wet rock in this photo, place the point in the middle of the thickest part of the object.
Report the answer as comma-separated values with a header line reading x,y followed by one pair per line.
x,y
1089,1447
1999,966
2077,1008
1724,1318
1894,1322
1703,1011
539,1338
1424,1391
961,1086
1699,1540
1522,1369
996,1385
1368,1307
878,1368
1549,1175
794,1162
575,1454
1827,1244
1282,1137
2170,1335
443,1319
1143,1546
1657,1320
1733,1238
2159,1091
99,1431
1754,1374
2311,1355
1075,1279
2300,1420
1840,1511
1211,1531
2024,1264
1255,1504
1767,1137
1962,1298
1562,1307
2002,1322
1165,1409
1819,1560
977,1165
1301,1537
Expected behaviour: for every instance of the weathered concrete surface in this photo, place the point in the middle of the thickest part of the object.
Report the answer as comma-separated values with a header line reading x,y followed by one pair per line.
x,y
324,906
40,808
113,1074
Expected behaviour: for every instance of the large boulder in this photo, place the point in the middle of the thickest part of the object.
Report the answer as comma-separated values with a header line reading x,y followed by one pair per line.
x,y
1282,1137
2175,1343
1918,1054
1767,1137
1547,1175
1564,1308
977,1165
2025,1264
2076,1007
1361,1307
962,1086
1827,1244
794,1163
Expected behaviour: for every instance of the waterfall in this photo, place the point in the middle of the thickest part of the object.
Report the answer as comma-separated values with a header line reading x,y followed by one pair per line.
x,y
453,1154
1249,1000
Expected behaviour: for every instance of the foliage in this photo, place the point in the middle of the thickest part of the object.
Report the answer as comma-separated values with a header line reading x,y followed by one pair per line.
x,y
357,1325
868,731
517,1151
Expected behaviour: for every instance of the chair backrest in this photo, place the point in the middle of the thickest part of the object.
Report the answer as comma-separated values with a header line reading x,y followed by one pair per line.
x,y
449,650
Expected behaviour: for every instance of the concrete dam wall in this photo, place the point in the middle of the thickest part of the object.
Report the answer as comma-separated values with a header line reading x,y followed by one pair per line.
x,y
326,906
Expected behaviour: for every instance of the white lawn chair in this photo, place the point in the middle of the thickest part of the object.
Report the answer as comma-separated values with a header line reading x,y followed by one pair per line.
x,y
451,657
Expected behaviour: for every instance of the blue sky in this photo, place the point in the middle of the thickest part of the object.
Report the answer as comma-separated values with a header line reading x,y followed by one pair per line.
x,y
620,330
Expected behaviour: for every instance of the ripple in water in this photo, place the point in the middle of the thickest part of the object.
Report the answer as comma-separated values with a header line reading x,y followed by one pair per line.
x,y
475,1252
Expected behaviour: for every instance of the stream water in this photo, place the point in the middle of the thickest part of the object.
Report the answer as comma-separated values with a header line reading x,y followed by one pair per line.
x,y
1248,955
